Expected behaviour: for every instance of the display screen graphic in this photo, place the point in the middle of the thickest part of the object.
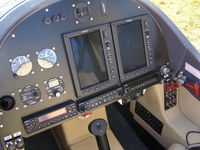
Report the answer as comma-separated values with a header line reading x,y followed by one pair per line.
x,y
89,59
52,115
131,43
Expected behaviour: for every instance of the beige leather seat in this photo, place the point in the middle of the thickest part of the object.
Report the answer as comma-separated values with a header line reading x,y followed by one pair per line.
x,y
176,146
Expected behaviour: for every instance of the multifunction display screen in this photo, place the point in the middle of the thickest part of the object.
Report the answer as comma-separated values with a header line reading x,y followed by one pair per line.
x,y
89,59
131,45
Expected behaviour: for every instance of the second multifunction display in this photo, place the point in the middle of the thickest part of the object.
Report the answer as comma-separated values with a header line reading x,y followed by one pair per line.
x,y
134,52
92,56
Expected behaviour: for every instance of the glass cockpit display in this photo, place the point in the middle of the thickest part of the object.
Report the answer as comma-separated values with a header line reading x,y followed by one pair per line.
x,y
131,45
89,59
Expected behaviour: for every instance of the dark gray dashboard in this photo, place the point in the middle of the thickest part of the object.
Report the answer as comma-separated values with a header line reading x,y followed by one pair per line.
x,y
45,29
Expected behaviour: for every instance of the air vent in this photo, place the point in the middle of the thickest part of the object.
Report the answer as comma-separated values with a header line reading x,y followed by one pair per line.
x,y
149,118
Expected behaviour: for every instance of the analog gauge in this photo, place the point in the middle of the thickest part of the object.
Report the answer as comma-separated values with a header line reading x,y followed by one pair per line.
x,y
30,95
21,65
55,87
47,58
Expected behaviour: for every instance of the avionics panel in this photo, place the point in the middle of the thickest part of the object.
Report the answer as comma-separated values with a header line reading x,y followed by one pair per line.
x,y
92,59
133,47
50,116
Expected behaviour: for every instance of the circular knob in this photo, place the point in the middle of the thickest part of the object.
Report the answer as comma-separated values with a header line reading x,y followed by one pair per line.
x,y
120,93
108,44
19,143
57,93
10,146
7,103
55,18
165,70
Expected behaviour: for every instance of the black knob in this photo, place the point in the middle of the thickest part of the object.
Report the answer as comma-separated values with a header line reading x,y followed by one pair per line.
x,y
7,103
134,97
19,142
82,108
35,93
108,44
120,93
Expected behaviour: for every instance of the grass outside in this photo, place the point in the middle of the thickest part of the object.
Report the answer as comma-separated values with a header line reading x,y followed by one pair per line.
x,y
186,15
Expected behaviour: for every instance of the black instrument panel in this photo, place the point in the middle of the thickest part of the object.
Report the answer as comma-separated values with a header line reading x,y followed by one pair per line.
x,y
68,58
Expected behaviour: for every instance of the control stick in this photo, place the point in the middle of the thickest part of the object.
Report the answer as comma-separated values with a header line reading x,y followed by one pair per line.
x,y
98,128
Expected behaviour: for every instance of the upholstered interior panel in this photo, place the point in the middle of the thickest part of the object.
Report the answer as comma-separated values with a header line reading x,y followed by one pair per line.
x,y
176,125
189,105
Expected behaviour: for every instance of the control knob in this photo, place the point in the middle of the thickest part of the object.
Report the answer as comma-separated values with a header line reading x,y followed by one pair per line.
x,y
10,145
165,72
7,103
120,93
19,142
108,44
55,87
57,93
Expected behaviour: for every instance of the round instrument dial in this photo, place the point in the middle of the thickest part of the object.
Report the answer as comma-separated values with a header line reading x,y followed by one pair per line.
x,y
21,65
55,87
47,58
30,95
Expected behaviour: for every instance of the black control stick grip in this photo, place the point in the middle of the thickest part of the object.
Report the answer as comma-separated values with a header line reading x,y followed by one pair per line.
x,y
98,128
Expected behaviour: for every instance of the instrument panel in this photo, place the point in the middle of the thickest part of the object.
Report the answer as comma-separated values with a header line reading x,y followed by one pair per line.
x,y
72,57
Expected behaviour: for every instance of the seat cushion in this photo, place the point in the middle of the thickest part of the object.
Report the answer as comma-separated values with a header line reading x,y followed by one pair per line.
x,y
176,146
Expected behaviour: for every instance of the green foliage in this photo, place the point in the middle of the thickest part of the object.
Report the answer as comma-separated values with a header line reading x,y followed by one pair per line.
x,y
186,15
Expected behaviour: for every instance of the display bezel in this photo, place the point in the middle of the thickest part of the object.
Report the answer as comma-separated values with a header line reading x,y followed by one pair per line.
x,y
147,48
111,66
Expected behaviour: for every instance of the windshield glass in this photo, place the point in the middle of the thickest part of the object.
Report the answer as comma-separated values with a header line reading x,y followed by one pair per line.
x,y
7,5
